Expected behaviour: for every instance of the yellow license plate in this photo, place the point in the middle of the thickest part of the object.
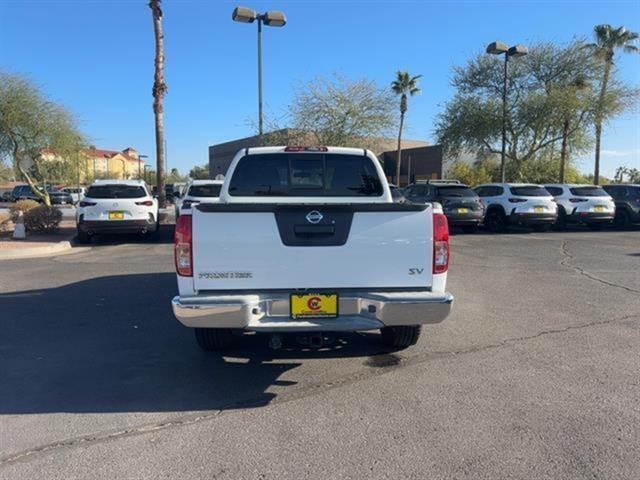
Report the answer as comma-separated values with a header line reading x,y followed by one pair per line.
x,y
463,210
538,209
314,305
116,215
599,208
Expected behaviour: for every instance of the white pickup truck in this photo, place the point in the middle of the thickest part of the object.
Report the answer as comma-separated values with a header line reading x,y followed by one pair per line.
x,y
309,240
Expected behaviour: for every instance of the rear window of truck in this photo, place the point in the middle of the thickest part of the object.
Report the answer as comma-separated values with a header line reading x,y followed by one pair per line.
x,y
116,191
305,175
204,190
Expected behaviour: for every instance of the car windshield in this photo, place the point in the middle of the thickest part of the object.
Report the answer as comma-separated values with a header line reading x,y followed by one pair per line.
x,y
530,191
209,190
589,191
305,174
457,191
116,191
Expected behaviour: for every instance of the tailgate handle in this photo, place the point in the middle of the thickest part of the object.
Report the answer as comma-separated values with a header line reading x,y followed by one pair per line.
x,y
313,230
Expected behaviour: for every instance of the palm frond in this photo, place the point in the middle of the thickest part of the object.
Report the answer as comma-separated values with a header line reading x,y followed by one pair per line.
x,y
631,49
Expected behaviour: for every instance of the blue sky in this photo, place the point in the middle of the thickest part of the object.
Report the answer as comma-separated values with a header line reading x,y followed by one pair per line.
x,y
96,57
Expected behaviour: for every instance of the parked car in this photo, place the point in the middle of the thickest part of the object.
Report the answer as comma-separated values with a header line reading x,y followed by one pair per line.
x,y
397,194
77,193
116,206
582,204
517,204
6,196
461,205
24,192
627,200
299,232
198,191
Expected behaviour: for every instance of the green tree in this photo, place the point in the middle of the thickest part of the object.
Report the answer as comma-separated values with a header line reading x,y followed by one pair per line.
x,y
537,105
632,175
403,85
175,176
199,172
6,172
608,40
31,124
341,112
483,171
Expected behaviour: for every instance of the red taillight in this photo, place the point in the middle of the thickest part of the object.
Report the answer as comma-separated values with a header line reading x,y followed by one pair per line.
x,y
302,148
182,246
517,200
87,204
146,203
577,200
440,243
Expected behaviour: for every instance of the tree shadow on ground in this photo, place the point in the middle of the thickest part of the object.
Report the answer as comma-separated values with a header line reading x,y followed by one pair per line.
x,y
111,344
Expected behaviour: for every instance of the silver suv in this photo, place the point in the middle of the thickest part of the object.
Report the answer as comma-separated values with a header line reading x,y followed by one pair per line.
x,y
582,204
517,204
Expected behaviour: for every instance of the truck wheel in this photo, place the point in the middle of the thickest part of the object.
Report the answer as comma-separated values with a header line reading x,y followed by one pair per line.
x,y
213,339
401,337
83,237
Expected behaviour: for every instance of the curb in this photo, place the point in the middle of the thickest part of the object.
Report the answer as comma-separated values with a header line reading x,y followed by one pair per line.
x,y
14,254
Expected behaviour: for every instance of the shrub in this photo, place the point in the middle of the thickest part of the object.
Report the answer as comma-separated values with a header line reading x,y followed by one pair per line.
x,y
21,206
42,219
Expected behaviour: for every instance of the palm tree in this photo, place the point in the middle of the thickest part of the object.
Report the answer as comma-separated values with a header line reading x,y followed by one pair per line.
x,y
403,84
608,39
159,89
578,83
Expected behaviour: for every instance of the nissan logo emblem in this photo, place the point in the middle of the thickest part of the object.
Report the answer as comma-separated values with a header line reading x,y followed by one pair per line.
x,y
314,216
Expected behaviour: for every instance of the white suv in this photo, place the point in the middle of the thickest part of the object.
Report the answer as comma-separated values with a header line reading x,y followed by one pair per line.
x,y
116,206
198,191
582,204
517,204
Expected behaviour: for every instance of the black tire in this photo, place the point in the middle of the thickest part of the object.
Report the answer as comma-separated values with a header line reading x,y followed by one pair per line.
x,y
595,227
561,221
401,337
83,237
496,221
214,339
543,227
470,228
623,219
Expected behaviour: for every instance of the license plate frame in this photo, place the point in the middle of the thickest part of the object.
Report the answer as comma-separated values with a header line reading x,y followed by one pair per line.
x,y
301,305
599,208
116,215
538,209
463,210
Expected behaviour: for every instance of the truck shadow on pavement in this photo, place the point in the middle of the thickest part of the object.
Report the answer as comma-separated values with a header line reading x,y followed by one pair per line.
x,y
111,344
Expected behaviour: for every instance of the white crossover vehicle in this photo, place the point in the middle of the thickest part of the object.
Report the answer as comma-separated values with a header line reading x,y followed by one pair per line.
x,y
582,204
77,193
517,204
309,240
198,191
116,206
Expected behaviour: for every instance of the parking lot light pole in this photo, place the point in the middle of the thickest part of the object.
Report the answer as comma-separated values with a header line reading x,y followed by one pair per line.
x,y
498,48
271,19
140,157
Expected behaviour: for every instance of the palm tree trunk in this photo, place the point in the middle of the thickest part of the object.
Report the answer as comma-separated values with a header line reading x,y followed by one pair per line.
x,y
563,150
603,91
159,89
399,157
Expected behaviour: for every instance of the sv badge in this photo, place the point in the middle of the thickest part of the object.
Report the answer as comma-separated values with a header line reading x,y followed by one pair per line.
x,y
416,271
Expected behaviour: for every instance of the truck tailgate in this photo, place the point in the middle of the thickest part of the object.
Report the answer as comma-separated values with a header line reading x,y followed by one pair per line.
x,y
264,247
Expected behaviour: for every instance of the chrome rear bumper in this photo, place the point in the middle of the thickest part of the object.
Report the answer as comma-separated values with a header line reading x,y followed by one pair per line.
x,y
270,312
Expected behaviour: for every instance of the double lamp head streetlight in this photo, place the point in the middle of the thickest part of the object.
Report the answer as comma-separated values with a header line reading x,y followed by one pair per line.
x,y
499,48
271,19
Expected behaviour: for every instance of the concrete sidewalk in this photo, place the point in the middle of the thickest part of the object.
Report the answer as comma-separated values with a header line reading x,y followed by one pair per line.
x,y
37,244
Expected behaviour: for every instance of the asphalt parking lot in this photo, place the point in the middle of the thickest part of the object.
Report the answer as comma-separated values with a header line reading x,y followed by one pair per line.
x,y
536,374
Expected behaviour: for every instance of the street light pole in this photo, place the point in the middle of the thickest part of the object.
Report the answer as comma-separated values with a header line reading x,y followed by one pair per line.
x,y
271,19
499,48
140,157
